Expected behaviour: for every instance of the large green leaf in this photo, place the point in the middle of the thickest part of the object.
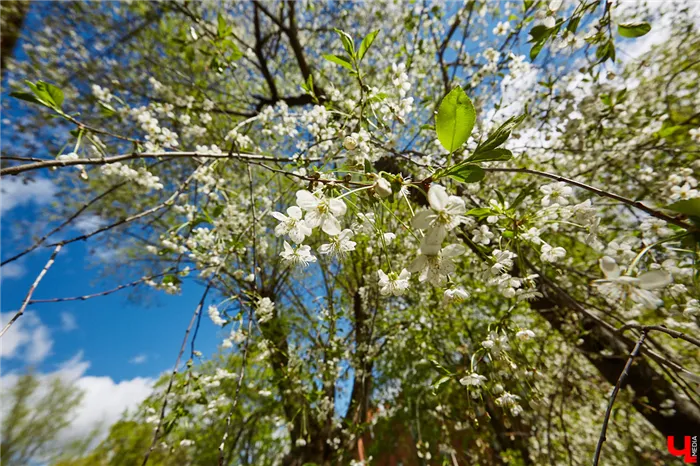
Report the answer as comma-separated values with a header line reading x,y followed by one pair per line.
x,y
493,155
633,29
366,44
689,207
455,119
338,60
467,173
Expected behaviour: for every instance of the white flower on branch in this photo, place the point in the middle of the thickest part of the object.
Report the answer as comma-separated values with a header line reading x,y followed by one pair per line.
x,y
299,256
264,310
446,213
550,254
393,283
215,316
321,211
617,286
472,380
292,225
436,267
339,245
556,193
456,295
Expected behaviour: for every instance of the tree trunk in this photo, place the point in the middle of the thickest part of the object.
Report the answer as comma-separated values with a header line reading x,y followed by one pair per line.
x,y
12,14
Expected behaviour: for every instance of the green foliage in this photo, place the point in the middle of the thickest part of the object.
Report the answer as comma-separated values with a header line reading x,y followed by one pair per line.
x,y
366,44
339,60
455,119
37,411
637,29
43,93
689,207
466,173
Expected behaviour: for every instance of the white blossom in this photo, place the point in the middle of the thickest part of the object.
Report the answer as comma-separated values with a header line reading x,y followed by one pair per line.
x,y
321,211
393,284
617,286
339,245
292,225
299,256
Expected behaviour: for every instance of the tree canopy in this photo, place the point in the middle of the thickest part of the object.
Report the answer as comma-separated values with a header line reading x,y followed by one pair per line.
x,y
431,232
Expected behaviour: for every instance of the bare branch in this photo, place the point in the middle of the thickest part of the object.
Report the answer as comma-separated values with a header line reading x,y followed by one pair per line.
x,y
197,310
622,378
25,303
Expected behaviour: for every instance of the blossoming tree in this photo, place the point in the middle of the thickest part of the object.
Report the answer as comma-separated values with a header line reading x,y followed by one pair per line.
x,y
436,233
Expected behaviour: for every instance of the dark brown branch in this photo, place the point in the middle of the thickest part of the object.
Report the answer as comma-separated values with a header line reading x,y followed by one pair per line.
x,y
599,192
620,380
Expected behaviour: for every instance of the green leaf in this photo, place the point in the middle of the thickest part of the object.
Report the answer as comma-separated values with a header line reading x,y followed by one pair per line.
x,y
220,25
539,32
171,279
605,51
536,49
44,93
338,60
479,212
467,173
455,119
366,44
441,381
633,29
28,96
499,136
55,93
493,155
690,207
348,43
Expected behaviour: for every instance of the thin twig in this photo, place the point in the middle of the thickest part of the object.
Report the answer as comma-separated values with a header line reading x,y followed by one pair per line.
x,y
620,380
197,310
241,375
661,328
95,295
17,169
25,303
239,384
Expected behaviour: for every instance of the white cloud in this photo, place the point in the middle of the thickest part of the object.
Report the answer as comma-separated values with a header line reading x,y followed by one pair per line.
x,y
138,359
103,403
68,322
12,270
89,223
15,192
28,339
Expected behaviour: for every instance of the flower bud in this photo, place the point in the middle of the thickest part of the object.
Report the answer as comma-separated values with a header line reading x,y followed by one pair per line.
x,y
349,143
382,187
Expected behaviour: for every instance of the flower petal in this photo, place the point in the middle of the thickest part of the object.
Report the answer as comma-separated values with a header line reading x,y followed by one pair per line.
x,y
453,250
422,220
279,216
437,197
330,225
654,279
294,212
337,207
418,264
306,200
609,267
